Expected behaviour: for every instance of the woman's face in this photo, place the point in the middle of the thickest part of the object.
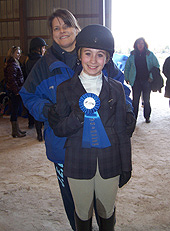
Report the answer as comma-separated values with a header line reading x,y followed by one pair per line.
x,y
140,45
93,61
17,54
64,35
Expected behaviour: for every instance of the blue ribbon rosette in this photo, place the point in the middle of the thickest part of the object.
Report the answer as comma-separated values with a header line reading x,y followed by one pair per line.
x,y
94,134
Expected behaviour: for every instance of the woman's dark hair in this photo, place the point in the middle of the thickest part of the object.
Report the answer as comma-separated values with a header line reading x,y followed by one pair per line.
x,y
67,17
139,39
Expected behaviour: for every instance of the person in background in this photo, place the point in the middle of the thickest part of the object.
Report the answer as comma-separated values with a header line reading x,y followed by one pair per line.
x,y
14,80
120,61
39,91
36,51
99,165
138,74
166,72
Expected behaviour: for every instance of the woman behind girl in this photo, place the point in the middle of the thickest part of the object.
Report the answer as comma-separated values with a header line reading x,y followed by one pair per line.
x,y
96,160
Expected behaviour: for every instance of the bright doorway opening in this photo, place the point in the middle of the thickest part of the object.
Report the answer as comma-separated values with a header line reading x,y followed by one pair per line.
x,y
147,18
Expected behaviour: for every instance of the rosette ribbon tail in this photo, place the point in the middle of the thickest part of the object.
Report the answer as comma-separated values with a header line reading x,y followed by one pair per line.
x,y
94,134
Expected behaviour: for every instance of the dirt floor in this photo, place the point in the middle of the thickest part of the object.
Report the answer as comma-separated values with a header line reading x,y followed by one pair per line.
x,y
29,193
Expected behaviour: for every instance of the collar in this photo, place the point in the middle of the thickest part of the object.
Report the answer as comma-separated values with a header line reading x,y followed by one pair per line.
x,y
134,52
78,88
87,77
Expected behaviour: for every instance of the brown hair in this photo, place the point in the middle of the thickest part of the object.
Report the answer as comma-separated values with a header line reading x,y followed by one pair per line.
x,y
139,39
66,16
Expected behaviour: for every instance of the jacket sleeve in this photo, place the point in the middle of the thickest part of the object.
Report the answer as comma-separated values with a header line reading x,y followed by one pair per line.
x,y
155,62
112,71
124,139
127,69
120,76
35,93
64,120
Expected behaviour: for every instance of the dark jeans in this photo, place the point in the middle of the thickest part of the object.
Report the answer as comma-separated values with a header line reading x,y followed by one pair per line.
x,y
15,105
143,87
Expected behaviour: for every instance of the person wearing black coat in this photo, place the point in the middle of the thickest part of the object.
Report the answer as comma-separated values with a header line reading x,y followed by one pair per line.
x,y
166,72
37,50
14,80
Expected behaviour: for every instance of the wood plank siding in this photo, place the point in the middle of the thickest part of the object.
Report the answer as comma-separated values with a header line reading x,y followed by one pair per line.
x,y
22,20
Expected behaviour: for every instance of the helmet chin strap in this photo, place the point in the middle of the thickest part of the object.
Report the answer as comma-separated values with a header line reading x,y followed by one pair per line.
x,y
40,51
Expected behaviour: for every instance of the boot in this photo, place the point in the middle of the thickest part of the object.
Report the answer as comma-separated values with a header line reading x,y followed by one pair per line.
x,y
38,126
39,136
107,224
30,121
15,131
83,225
22,132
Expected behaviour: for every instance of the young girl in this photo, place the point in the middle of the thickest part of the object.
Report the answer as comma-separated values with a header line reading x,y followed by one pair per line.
x,y
91,113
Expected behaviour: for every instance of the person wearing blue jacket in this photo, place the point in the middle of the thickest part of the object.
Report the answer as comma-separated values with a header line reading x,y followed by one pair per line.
x,y
39,91
138,74
120,60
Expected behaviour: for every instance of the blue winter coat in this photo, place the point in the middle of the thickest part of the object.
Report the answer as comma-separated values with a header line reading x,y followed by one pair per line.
x,y
39,93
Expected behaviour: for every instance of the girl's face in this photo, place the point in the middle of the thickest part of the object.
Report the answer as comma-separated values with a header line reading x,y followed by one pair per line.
x,y
140,45
93,61
17,54
64,35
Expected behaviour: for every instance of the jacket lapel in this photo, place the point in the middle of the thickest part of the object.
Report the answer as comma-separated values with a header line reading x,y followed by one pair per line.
x,y
107,95
79,90
105,89
76,85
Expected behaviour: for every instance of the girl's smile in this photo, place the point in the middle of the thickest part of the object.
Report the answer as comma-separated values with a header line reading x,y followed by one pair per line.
x,y
93,60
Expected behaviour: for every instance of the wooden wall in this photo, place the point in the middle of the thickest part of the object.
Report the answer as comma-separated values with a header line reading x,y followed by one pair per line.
x,y
86,11
22,20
